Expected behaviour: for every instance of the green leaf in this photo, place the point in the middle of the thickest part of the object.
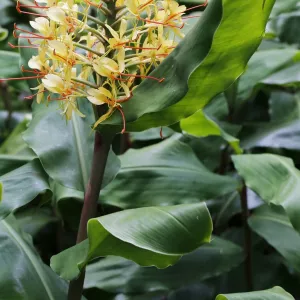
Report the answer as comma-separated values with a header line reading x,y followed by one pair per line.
x,y
275,179
287,27
283,129
167,173
152,236
33,220
276,293
65,148
261,65
9,62
114,274
21,186
201,125
3,34
288,77
14,144
274,226
9,163
283,6
14,153
23,275
199,77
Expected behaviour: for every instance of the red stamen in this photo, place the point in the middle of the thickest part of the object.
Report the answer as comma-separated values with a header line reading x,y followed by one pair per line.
x,y
32,96
124,99
18,8
161,133
142,48
56,99
31,71
160,23
142,76
34,35
21,78
142,6
93,4
16,46
189,17
123,118
197,6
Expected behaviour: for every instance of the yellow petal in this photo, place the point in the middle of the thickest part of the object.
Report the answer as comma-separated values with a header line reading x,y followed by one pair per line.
x,y
56,14
113,32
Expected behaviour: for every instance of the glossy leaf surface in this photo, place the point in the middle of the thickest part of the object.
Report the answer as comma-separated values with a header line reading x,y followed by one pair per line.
x,y
153,236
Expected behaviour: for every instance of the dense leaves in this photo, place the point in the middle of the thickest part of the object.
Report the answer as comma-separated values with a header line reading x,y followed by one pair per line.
x,y
274,178
157,175
23,275
151,235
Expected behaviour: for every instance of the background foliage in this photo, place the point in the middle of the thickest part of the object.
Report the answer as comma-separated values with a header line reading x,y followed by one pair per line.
x,y
192,179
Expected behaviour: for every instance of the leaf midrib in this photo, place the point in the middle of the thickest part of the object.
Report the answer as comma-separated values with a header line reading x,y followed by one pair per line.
x,y
31,258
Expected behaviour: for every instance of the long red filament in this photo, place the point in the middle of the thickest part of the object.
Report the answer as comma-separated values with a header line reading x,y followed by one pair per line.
x,y
142,76
93,4
123,118
32,96
197,6
143,48
21,78
16,46
34,35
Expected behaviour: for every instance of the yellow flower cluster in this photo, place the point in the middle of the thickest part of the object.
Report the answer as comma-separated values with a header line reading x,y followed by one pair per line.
x,y
81,56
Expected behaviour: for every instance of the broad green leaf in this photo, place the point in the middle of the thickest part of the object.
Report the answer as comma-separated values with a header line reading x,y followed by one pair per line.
x,y
9,62
33,220
21,186
14,144
274,226
23,275
200,125
199,77
9,163
114,274
5,16
152,236
287,27
60,144
276,293
167,173
288,77
14,152
283,129
261,65
283,6
230,205
275,179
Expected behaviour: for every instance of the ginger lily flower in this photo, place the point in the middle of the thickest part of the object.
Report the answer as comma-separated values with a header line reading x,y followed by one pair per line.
x,y
101,63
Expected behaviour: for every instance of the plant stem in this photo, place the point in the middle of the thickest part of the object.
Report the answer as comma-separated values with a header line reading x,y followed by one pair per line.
x,y
247,238
89,210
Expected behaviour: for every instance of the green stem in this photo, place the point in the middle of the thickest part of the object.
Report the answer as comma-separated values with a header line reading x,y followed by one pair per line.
x,y
89,210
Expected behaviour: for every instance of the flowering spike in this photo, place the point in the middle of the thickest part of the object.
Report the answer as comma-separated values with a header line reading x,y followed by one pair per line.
x,y
68,68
